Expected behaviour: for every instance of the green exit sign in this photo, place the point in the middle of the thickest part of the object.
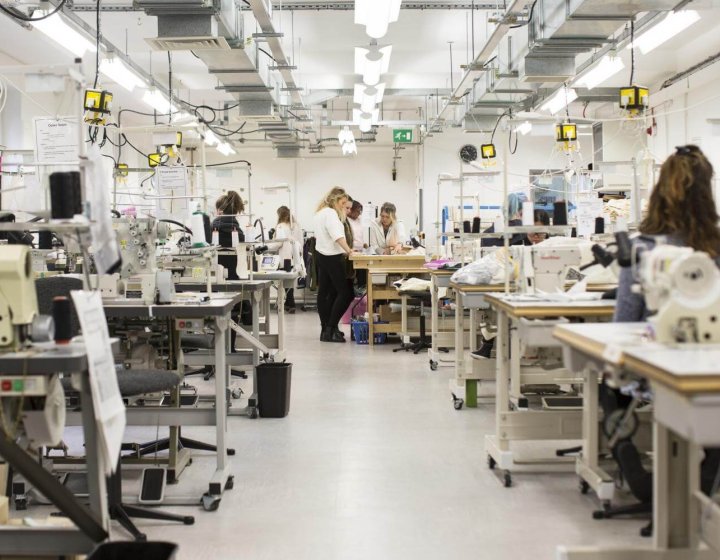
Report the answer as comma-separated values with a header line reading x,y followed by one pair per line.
x,y
402,135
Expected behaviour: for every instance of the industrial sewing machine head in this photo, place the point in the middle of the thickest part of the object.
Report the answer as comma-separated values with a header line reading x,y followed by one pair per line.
x,y
682,288
19,319
545,268
39,401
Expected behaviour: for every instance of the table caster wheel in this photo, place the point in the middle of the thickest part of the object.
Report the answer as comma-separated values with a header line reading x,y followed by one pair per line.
x,y
458,404
507,480
188,520
598,514
584,487
647,531
236,393
433,365
230,484
491,463
253,413
210,502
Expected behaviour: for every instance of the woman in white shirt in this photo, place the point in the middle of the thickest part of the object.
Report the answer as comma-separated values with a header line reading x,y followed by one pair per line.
x,y
384,235
331,251
357,227
291,250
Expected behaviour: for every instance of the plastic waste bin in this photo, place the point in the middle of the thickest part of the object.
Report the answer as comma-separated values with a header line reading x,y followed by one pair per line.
x,y
122,550
273,387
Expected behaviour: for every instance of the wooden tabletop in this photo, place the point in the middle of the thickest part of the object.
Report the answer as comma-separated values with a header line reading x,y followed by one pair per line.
x,y
387,261
535,309
687,369
409,269
478,288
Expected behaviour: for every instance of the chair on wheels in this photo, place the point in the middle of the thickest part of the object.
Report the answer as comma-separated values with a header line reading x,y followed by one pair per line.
x,y
424,342
131,383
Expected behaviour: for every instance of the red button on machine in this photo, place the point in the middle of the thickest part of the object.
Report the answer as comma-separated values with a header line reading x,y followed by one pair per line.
x,y
6,385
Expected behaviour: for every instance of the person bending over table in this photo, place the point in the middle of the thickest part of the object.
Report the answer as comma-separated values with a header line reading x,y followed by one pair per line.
x,y
682,212
542,218
332,250
384,235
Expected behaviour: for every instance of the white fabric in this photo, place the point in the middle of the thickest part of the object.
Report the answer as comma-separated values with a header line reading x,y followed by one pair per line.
x,y
358,231
379,241
292,248
328,228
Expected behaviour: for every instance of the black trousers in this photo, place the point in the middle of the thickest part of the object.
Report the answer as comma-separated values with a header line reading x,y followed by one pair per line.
x,y
334,292
290,298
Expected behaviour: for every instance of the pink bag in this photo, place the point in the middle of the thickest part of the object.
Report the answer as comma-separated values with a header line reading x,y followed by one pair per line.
x,y
357,308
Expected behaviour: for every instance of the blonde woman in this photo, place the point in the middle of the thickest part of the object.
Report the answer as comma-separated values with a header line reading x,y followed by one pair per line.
x,y
332,250
384,234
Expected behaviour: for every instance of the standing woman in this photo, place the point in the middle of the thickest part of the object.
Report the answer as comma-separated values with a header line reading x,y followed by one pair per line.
x,y
227,208
290,252
384,234
332,252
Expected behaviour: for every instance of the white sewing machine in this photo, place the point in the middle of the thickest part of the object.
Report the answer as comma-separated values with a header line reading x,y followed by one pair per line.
x,y
682,287
43,416
544,269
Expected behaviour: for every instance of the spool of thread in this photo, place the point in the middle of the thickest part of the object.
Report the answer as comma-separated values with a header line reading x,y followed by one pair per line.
x,y
466,226
65,194
45,240
600,225
560,213
528,213
197,225
476,225
456,230
62,316
573,232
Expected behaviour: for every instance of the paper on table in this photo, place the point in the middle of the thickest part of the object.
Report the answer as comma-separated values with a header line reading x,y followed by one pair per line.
x,y
108,403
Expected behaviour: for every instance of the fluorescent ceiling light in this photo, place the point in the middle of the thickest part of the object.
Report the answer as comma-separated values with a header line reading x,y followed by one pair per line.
x,y
606,68
118,72
225,149
671,25
524,128
376,15
368,97
345,135
559,100
183,117
210,138
157,100
64,35
372,62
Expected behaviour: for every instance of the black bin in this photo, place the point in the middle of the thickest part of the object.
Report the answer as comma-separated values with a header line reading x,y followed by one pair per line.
x,y
273,386
122,550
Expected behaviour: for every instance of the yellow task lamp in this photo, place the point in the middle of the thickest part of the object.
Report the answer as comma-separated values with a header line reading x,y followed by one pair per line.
x,y
97,106
567,134
487,151
122,170
168,143
634,99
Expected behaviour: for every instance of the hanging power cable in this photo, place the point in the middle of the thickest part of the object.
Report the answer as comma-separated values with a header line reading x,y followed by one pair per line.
x,y
22,17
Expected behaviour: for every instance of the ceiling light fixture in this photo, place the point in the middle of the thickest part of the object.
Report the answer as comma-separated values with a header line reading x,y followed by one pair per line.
x,y
668,27
225,149
210,138
559,100
372,62
524,128
118,72
158,101
376,15
347,141
607,67
64,35
368,97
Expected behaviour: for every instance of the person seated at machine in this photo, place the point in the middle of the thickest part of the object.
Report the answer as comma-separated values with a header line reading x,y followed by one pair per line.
x,y
542,218
385,237
681,211
514,212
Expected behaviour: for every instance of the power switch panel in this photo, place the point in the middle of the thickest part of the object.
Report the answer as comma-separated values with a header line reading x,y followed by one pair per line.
x,y
29,385
189,325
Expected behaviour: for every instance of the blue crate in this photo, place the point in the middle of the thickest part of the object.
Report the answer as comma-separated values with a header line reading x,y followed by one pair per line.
x,y
361,332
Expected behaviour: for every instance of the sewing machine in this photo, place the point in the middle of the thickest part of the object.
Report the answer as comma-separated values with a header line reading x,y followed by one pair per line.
x,y
682,287
36,399
544,269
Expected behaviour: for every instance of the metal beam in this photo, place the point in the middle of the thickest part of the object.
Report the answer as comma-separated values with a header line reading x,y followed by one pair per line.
x,y
406,5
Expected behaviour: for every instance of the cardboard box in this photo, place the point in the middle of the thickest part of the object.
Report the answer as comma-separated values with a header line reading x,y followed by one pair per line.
x,y
386,314
4,510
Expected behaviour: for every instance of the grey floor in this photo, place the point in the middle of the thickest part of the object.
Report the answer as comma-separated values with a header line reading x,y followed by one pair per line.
x,y
374,462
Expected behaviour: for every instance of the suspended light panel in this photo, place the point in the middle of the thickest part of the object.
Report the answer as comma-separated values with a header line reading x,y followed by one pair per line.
x,y
603,70
118,72
158,101
376,15
667,28
524,128
225,149
372,63
559,100
64,35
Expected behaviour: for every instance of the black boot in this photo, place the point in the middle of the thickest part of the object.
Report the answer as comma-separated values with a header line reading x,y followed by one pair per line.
x,y
329,335
337,331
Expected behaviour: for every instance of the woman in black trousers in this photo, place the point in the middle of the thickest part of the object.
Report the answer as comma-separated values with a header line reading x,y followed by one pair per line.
x,y
332,251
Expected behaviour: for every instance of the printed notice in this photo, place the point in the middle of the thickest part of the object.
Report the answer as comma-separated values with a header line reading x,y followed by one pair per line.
x,y
56,140
172,179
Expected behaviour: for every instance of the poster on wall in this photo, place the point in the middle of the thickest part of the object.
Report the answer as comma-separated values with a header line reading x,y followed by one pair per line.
x,y
172,187
56,140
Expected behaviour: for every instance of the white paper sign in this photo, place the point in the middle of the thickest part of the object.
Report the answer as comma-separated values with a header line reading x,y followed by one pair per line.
x,y
107,401
172,179
56,140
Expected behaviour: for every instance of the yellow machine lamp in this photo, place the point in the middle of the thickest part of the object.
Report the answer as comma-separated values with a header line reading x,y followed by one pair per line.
x,y
97,106
487,151
155,159
168,143
566,133
122,170
634,99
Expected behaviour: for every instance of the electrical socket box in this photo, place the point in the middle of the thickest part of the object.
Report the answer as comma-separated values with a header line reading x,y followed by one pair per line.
x,y
189,325
27,385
